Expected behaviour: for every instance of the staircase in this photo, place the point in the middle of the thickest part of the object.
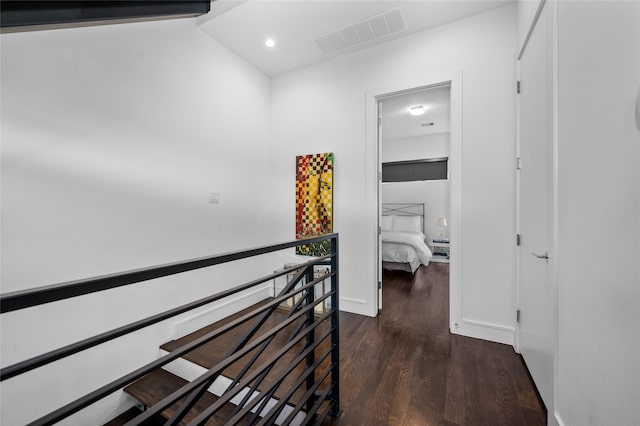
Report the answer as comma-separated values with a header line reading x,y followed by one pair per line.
x,y
273,363
157,385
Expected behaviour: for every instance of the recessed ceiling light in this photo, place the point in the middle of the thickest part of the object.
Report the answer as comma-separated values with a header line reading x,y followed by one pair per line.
x,y
416,110
270,42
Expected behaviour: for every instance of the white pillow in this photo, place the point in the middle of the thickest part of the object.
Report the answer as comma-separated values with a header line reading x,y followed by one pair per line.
x,y
386,223
407,224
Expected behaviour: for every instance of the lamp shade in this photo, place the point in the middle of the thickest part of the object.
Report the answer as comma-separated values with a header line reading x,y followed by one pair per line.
x,y
442,222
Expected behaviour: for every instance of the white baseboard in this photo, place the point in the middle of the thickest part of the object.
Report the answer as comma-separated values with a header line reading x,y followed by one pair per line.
x,y
486,331
190,371
354,306
222,310
558,419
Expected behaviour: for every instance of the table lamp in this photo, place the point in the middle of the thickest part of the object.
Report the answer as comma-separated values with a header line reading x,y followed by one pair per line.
x,y
442,223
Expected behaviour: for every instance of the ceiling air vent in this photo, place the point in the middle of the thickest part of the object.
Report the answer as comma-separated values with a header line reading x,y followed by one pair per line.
x,y
371,29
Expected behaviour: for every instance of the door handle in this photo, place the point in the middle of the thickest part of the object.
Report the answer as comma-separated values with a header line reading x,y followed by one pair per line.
x,y
544,256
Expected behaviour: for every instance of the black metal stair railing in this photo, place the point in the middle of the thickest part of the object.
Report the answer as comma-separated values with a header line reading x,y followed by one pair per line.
x,y
283,381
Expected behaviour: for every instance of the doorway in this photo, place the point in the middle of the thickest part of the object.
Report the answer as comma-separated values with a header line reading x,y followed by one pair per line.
x,y
414,145
452,80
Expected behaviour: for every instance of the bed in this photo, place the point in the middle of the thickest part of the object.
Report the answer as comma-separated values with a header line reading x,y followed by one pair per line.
x,y
403,239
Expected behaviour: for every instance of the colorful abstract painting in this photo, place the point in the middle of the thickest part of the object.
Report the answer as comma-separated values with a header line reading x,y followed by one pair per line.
x,y
314,201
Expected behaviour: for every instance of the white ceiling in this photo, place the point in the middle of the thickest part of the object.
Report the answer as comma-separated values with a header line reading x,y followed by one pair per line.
x,y
243,25
398,123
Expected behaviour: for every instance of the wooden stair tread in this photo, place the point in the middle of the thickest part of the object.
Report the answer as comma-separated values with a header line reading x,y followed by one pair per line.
x,y
173,344
214,351
158,384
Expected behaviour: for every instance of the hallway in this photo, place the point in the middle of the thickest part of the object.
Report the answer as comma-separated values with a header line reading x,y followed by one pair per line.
x,y
405,368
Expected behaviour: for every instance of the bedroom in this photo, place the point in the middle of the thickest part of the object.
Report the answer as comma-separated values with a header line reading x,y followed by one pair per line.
x,y
414,155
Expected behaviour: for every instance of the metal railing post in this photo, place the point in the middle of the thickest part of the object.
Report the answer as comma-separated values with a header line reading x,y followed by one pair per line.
x,y
335,334
310,338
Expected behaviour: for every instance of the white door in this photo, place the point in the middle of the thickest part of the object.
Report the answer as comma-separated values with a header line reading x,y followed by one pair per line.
x,y
379,140
536,301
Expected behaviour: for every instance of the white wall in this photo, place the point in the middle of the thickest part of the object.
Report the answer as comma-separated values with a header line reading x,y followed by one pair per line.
x,y
112,139
322,108
599,211
416,148
435,193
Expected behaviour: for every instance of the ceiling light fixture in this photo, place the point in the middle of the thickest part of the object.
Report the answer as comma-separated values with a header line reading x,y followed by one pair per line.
x,y
416,110
270,42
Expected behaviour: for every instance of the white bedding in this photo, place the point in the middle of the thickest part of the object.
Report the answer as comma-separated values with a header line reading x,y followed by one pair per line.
x,y
405,247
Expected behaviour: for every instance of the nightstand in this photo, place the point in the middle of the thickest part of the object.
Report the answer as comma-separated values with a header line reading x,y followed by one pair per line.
x,y
440,250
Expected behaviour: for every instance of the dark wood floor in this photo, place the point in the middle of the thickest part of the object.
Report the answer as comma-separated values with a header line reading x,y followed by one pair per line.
x,y
405,368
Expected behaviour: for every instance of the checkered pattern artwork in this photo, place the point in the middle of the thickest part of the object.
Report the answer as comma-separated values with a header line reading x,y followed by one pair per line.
x,y
314,201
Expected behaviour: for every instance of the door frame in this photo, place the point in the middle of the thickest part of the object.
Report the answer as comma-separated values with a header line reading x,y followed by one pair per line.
x,y
373,164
